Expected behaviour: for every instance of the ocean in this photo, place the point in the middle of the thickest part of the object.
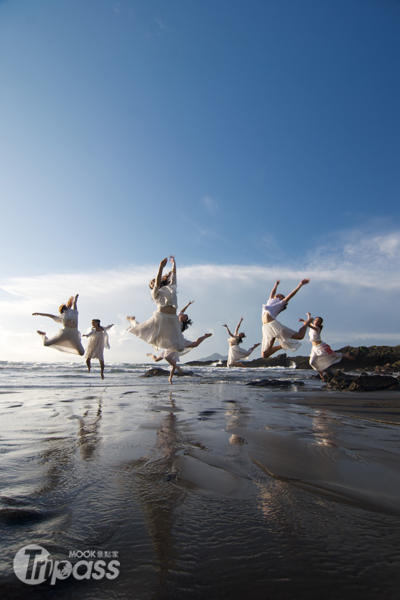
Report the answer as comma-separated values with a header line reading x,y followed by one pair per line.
x,y
130,487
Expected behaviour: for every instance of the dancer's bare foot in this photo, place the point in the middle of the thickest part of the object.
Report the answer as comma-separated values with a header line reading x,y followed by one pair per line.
x,y
153,356
131,318
171,375
40,332
206,335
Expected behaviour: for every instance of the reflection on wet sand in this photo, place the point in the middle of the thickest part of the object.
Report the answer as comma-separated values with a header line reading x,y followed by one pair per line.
x,y
151,482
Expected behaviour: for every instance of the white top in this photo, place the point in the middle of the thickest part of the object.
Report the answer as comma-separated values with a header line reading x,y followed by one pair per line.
x,y
166,295
69,315
273,307
315,336
233,341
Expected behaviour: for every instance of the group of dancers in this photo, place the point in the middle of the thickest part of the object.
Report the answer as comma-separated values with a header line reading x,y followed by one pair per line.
x,y
164,330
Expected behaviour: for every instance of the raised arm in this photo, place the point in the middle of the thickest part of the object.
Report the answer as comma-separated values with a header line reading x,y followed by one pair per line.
x,y
230,333
173,263
108,327
238,326
302,282
76,302
273,291
160,271
187,306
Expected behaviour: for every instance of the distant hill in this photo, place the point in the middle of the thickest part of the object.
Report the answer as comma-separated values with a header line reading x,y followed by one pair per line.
x,y
212,357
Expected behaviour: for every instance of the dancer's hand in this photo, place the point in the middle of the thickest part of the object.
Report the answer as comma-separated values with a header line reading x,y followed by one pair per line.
x,y
305,281
163,262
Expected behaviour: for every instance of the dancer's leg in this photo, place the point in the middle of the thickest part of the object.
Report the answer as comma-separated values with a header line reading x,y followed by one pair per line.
x,y
270,349
88,364
303,329
199,340
154,357
101,368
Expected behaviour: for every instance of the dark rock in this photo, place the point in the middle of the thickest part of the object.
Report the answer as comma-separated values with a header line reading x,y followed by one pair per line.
x,y
361,383
274,383
156,372
372,383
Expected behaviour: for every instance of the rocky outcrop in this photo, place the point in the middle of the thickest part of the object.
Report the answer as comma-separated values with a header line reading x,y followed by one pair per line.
x,y
361,383
274,383
157,372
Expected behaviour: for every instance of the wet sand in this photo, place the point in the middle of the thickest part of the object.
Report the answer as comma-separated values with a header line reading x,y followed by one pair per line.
x,y
204,490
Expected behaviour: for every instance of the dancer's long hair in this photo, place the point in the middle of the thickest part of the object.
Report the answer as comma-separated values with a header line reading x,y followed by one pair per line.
x,y
320,326
65,307
185,324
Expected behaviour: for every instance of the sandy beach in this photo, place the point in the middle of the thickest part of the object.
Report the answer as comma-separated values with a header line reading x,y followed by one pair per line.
x,y
201,490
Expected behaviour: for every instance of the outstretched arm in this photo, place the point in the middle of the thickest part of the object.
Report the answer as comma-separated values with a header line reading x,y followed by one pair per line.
x,y
44,315
160,271
187,306
238,326
302,282
273,291
230,333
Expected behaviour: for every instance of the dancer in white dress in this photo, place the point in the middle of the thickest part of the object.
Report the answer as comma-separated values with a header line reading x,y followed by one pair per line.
x,y
236,354
171,354
163,329
274,330
322,356
98,340
68,339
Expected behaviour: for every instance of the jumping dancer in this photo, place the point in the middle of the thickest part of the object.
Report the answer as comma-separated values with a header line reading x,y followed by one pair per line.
x,y
236,353
322,356
68,339
163,329
274,330
98,340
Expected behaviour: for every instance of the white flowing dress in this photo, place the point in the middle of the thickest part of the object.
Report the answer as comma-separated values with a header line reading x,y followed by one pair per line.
x,y
97,341
236,353
275,329
162,330
322,356
68,339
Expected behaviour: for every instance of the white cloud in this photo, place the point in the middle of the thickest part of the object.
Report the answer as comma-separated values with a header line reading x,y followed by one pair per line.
x,y
354,286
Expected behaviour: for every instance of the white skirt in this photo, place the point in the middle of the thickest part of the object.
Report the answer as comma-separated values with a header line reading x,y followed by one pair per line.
x,y
322,357
162,331
68,339
281,333
237,353
96,344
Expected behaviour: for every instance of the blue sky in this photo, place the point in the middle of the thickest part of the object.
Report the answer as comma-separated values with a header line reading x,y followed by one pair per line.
x,y
254,140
